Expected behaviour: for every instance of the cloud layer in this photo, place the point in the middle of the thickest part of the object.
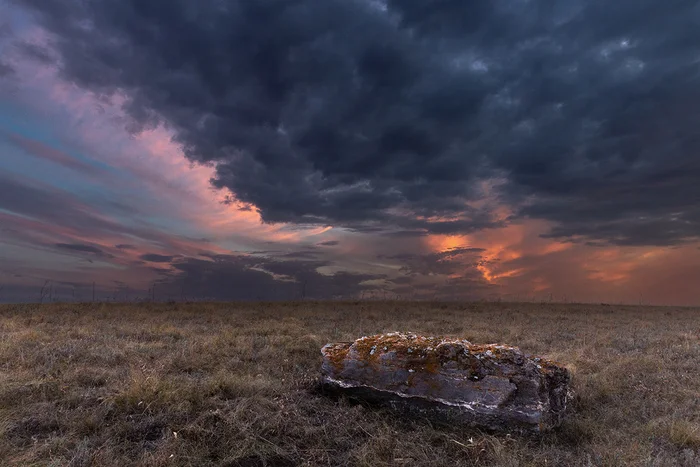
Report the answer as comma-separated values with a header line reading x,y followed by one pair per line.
x,y
457,149
349,112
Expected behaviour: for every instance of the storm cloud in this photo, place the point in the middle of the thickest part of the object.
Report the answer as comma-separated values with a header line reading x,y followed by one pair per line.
x,y
448,262
241,277
330,243
79,247
5,69
353,112
156,258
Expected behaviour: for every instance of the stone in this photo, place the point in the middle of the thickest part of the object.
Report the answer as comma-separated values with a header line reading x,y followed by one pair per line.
x,y
495,387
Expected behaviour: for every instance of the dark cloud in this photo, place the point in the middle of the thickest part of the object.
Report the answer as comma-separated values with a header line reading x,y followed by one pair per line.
x,y
405,233
329,243
402,280
124,246
234,277
6,69
79,247
35,52
156,258
354,111
448,262
6,29
304,254
244,208
453,274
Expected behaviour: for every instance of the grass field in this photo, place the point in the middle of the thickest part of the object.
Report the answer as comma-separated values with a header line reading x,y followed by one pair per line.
x,y
230,384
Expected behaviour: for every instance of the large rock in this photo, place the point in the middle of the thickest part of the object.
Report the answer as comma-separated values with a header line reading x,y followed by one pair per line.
x,y
489,386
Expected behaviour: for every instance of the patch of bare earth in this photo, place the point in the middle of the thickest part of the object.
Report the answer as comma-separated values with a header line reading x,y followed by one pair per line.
x,y
230,384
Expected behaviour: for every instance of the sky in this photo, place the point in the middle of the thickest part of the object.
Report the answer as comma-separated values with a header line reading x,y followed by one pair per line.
x,y
286,149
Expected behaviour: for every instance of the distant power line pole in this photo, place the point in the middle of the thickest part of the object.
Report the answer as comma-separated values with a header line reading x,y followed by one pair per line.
x,y
42,292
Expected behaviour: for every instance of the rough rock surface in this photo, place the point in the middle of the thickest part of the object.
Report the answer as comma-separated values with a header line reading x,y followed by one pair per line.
x,y
491,386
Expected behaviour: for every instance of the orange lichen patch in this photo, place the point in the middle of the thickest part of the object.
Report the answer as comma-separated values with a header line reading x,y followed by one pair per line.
x,y
420,354
336,354
395,342
549,366
411,345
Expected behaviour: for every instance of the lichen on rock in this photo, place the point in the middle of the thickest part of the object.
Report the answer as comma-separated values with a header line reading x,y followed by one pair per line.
x,y
492,386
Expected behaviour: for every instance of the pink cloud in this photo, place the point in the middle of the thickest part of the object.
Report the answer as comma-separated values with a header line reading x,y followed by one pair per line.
x,y
41,150
95,126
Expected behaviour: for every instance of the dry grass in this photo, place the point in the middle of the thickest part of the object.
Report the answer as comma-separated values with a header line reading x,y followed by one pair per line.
x,y
229,384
